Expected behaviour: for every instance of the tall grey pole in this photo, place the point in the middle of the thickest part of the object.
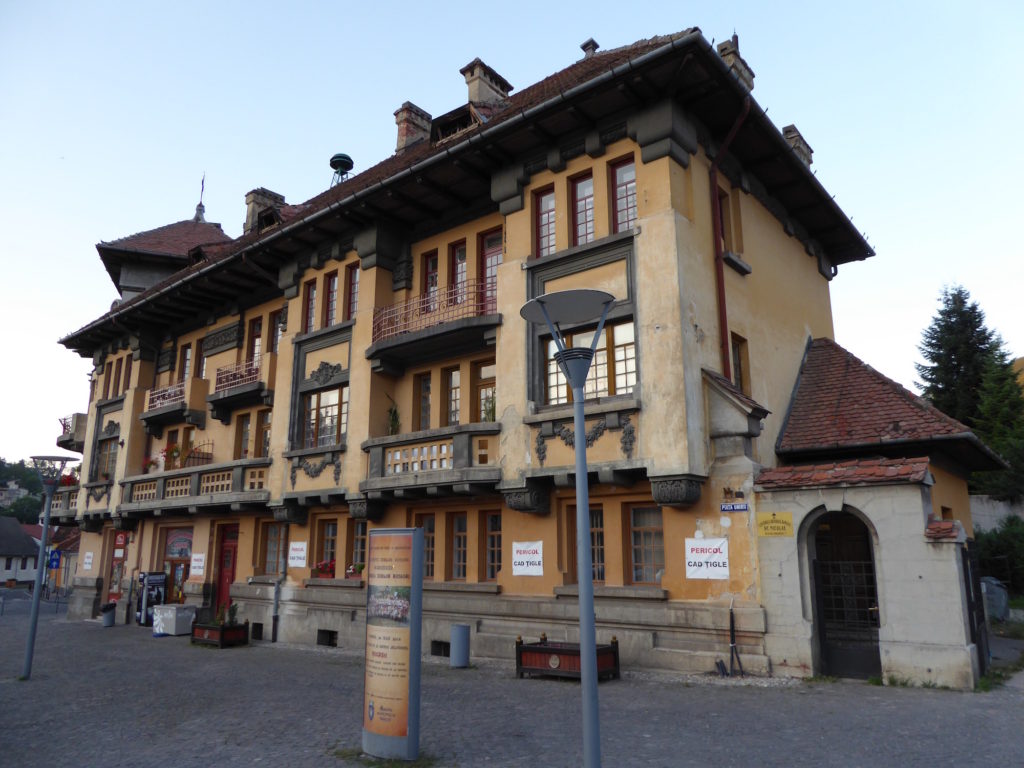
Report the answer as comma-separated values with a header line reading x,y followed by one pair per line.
x,y
26,672
585,580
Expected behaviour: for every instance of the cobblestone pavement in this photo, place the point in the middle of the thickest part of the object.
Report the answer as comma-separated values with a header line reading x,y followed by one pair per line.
x,y
120,697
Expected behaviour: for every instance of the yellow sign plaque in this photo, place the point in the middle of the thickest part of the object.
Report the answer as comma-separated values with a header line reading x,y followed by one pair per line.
x,y
774,523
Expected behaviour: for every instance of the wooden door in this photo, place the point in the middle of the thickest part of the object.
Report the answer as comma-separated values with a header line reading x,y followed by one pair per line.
x,y
227,556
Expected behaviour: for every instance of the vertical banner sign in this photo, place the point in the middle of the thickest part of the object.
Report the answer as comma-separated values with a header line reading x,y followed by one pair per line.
x,y
391,678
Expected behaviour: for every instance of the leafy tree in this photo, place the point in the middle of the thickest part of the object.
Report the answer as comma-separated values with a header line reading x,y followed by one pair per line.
x,y
958,348
27,509
1000,424
1001,552
23,474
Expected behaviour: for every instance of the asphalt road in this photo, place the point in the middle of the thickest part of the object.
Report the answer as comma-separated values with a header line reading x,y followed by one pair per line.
x,y
120,697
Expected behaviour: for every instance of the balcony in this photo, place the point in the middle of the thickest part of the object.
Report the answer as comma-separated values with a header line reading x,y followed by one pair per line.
x,y
434,462
64,506
72,436
209,488
250,382
181,402
462,318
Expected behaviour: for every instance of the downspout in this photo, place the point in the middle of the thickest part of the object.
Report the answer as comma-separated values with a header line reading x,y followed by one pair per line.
x,y
716,225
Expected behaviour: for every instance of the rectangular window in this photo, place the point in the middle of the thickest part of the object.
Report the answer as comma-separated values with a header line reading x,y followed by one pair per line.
x,y
185,362
597,543
544,217
242,430
459,541
108,374
330,299
457,273
200,369
490,260
358,542
452,396
327,553
493,545
263,434
422,388
613,371
106,459
115,388
426,522
8,563
351,290
309,306
126,383
647,546
485,391
430,281
582,210
740,364
276,328
623,196
725,239
275,550
324,417
255,346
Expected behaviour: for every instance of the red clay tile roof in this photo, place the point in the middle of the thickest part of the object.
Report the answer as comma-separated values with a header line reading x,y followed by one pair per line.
x,y
845,473
735,391
941,529
170,240
842,402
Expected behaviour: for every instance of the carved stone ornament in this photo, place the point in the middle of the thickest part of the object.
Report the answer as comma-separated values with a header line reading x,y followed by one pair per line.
x,y
533,499
676,492
99,492
628,439
325,373
112,429
228,337
365,509
314,469
568,436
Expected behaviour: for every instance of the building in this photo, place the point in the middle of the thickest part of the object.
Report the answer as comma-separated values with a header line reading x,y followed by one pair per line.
x,y
11,492
18,553
358,360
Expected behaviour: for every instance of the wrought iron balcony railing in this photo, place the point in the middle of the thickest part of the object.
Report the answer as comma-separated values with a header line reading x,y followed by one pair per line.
x,y
170,395
472,298
237,375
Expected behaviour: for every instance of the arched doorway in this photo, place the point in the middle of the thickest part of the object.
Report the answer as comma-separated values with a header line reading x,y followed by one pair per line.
x,y
845,596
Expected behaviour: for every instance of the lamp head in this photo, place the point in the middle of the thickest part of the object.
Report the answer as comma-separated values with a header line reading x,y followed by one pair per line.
x,y
50,468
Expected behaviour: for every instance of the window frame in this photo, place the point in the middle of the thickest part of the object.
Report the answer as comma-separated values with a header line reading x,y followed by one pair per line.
x,y
276,534
552,373
330,303
451,379
310,403
458,271
492,544
458,539
429,542
544,222
587,221
615,199
309,306
351,290
631,546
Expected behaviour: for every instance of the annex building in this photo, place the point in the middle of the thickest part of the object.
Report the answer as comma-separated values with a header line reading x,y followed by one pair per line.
x,y
358,360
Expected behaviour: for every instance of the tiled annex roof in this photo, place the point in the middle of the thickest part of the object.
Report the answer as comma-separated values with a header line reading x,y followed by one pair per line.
x,y
172,239
843,404
845,473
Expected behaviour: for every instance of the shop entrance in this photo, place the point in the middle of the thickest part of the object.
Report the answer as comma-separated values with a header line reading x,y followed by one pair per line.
x,y
227,554
846,596
177,561
117,558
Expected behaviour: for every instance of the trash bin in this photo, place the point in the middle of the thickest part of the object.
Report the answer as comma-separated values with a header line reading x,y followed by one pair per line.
x,y
459,646
107,611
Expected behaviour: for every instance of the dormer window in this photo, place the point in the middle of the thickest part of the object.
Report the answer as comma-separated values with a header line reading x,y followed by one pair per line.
x,y
266,219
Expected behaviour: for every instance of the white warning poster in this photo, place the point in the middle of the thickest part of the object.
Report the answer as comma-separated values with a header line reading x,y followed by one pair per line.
x,y
707,558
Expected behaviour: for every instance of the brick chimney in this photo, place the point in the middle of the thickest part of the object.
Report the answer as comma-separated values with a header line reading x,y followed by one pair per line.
x,y
413,125
485,85
258,200
730,53
798,143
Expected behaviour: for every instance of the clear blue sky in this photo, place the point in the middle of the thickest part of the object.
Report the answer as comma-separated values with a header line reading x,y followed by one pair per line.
x,y
111,112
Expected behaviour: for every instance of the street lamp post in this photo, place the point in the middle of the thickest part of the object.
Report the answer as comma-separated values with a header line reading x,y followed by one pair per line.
x,y
49,469
559,309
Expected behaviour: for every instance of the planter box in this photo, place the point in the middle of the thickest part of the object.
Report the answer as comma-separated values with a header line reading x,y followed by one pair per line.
x,y
221,636
555,659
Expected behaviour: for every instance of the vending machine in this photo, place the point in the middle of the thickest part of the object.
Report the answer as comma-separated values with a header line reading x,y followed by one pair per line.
x,y
152,591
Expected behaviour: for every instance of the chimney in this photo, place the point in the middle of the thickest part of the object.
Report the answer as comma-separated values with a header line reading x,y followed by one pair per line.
x,y
258,200
730,53
798,143
485,85
589,47
413,125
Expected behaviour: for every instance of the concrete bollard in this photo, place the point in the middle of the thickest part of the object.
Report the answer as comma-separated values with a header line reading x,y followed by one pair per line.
x,y
459,656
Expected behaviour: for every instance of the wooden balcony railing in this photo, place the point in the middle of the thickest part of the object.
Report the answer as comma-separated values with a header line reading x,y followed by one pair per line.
x,y
171,395
473,298
237,375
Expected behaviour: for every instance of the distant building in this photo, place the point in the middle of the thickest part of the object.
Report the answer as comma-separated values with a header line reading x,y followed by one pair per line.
x,y
18,552
11,492
259,405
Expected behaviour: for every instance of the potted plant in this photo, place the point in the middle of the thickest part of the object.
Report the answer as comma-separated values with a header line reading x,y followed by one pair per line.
x,y
223,632
394,420
149,464
171,454
324,569
354,571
